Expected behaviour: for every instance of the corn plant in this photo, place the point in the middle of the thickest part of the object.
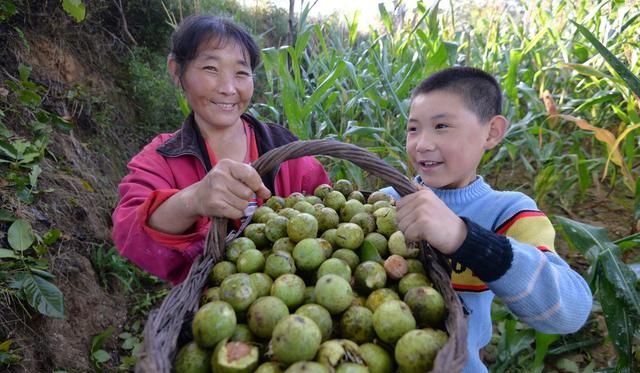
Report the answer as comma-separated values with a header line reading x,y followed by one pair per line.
x,y
613,284
354,87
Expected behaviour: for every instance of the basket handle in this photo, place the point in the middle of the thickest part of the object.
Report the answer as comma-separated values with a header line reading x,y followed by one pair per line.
x,y
367,160
359,156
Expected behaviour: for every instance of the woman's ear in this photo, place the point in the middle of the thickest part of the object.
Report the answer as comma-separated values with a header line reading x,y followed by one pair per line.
x,y
174,70
497,129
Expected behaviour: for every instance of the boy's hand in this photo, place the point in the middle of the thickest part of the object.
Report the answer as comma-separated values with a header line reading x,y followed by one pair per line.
x,y
423,216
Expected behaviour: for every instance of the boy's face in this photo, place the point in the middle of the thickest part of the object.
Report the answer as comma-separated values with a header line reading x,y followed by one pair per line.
x,y
446,140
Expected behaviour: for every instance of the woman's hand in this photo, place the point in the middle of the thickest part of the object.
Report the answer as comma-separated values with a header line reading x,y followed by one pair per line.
x,y
423,216
227,190
224,192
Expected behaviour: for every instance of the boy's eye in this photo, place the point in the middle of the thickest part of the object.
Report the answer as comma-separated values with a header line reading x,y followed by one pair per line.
x,y
411,129
441,126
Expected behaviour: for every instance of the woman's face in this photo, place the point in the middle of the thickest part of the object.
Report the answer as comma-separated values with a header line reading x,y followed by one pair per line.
x,y
218,84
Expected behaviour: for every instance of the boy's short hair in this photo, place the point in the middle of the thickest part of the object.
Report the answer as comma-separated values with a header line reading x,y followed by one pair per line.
x,y
480,91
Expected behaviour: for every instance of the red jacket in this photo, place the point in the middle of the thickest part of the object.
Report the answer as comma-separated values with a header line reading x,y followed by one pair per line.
x,y
172,162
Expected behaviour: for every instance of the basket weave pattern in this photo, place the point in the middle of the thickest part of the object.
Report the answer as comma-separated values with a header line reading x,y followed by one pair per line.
x,y
164,323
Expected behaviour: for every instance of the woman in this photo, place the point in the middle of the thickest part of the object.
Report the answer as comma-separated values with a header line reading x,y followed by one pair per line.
x,y
180,180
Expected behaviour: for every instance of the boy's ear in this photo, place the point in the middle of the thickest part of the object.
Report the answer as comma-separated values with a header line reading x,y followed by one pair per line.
x,y
174,70
497,129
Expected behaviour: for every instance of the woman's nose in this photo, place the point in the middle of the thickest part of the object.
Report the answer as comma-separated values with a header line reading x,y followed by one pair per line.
x,y
226,84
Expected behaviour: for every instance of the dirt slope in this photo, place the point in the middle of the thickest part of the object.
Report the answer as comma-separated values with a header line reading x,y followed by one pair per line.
x,y
82,169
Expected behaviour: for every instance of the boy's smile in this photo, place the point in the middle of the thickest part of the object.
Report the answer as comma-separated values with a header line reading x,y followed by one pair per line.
x,y
446,140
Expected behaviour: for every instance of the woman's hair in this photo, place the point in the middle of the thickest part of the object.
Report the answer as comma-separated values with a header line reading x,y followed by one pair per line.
x,y
199,29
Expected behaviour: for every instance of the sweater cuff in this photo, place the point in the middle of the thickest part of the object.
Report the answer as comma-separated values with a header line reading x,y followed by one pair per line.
x,y
486,253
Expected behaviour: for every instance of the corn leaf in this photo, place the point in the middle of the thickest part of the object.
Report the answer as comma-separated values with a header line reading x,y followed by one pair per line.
x,y
620,322
594,243
321,90
630,78
542,347
613,285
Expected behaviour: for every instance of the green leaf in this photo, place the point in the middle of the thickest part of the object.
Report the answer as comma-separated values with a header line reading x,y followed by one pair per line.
x,y
42,295
74,8
51,236
385,17
315,98
588,71
629,242
25,195
621,324
7,254
6,215
130,343
622,280
354,130
24,71
29,98
568,365
587,239
33,175
637,201
7,10
8,150
99,339
510,86
630,78
20,235
101,356
41,273
542,347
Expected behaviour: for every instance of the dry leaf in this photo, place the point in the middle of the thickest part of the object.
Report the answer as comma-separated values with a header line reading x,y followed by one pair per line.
x,y
610,140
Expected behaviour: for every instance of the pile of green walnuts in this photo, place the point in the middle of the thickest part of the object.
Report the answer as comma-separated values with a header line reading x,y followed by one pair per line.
x,y
318,283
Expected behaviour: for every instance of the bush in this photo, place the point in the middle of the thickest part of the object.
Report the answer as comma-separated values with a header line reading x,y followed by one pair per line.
x,y
155,94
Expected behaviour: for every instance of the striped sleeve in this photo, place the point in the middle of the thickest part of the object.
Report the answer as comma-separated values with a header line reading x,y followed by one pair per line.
x,y
532,227
539,286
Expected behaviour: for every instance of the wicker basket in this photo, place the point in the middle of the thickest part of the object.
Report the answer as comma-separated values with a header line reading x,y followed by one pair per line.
x,y
165,323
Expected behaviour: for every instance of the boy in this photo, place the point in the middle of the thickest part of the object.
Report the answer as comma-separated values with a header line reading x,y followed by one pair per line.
x,y
499,243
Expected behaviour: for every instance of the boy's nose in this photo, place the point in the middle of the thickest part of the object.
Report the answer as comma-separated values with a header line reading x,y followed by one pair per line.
x,y
425,144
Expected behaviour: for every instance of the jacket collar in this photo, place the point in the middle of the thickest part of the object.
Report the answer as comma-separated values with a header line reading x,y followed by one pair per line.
x,y
188,141
184,142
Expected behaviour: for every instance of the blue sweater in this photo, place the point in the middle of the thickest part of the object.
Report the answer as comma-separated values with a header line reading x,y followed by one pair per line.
x,y
509,253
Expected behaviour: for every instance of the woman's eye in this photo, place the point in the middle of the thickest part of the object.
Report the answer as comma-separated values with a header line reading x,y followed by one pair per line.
x,y
210,68
441,126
